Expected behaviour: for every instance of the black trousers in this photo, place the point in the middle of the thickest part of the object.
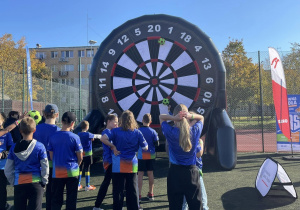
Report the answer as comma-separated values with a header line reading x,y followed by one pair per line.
x,y
49,190
184,181
86,163
28,196
58,185
3,192
130,182
104,186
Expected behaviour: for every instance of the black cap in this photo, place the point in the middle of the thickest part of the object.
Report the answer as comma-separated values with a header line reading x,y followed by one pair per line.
x,y
68,117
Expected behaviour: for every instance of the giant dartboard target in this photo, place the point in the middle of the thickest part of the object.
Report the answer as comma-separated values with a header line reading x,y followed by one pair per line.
x,y
156,57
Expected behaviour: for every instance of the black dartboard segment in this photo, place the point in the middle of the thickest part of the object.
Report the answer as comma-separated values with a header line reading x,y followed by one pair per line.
x,y
134,70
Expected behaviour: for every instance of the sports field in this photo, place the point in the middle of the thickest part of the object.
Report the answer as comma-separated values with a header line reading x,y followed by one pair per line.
x,y
232,190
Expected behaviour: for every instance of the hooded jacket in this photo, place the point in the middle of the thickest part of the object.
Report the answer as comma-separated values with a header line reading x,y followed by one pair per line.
x,y
27,163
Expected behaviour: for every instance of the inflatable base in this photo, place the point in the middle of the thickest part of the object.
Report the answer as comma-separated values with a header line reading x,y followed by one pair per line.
x,y
221,139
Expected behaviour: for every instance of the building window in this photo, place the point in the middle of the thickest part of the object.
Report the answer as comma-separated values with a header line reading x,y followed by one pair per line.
x,y
54,54
82,67
89,53
67,54
40,55
72,81
68,67
63,81
89,66
53,68
80,53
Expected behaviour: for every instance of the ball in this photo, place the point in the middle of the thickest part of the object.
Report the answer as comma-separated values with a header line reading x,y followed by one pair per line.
x,y
35,115
165,101
161,41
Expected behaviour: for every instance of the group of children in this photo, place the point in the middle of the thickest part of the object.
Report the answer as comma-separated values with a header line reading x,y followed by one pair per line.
x,y
53,158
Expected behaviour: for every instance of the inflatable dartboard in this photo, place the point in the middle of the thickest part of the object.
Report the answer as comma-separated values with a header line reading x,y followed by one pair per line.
x,y
154,60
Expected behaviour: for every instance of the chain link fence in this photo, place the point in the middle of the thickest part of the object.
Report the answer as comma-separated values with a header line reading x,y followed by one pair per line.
x,y
14,95
254,119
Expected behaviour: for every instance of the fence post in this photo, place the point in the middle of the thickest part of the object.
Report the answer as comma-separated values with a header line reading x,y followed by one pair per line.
x,y
2,90
80,116
23,91
45,91
261,103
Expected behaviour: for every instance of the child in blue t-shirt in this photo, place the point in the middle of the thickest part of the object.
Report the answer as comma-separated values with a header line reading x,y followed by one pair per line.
x,y
6,142
66,154
86,139
42,134
27,168
126,141
183,176
146,158
111,121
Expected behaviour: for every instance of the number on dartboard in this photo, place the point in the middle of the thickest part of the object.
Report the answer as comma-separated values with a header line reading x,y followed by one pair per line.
x,y
137,31
155,28
105,64
200,110
207,95
101,80
209,80
206,66
110,111
198,48
112,52
185,37
104,99
123,40
170,30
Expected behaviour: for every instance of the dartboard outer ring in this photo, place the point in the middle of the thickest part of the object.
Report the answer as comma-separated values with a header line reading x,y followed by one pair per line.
x,y
132,70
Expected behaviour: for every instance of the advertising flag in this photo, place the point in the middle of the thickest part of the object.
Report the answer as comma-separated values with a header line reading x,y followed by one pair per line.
x,y
280,93
29,76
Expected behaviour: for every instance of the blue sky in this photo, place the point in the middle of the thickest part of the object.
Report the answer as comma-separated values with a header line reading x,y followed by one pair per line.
x,y
52,23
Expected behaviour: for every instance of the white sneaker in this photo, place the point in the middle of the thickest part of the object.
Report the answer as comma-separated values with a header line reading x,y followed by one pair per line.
x,y
95,208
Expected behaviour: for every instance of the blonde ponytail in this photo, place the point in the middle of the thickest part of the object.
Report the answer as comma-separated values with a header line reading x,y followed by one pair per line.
x,y
184,136
184,129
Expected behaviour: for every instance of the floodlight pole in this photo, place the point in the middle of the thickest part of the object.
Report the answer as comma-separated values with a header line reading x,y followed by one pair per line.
x,y
261,103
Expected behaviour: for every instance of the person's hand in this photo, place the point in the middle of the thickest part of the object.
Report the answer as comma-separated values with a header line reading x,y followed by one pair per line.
x,y
178,117
114,149
0,155
23,115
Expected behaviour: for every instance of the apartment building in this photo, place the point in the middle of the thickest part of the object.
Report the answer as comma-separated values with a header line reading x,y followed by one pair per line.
x,y
64,63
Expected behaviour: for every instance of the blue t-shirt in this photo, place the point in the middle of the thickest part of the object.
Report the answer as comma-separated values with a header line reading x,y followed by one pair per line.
x,y
151,136
176,153
5,142
28,171
107,158
42,134
128,143
86,142
64,145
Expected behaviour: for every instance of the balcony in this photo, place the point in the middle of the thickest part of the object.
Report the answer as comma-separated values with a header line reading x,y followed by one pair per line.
x,y
63,59
63,73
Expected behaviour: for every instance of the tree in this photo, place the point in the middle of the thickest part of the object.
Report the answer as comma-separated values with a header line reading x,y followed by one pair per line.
x,y
242,76
291,67
12,55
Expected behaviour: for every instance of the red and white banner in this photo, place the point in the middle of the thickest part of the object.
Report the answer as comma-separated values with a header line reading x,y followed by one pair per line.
x,y
280,93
